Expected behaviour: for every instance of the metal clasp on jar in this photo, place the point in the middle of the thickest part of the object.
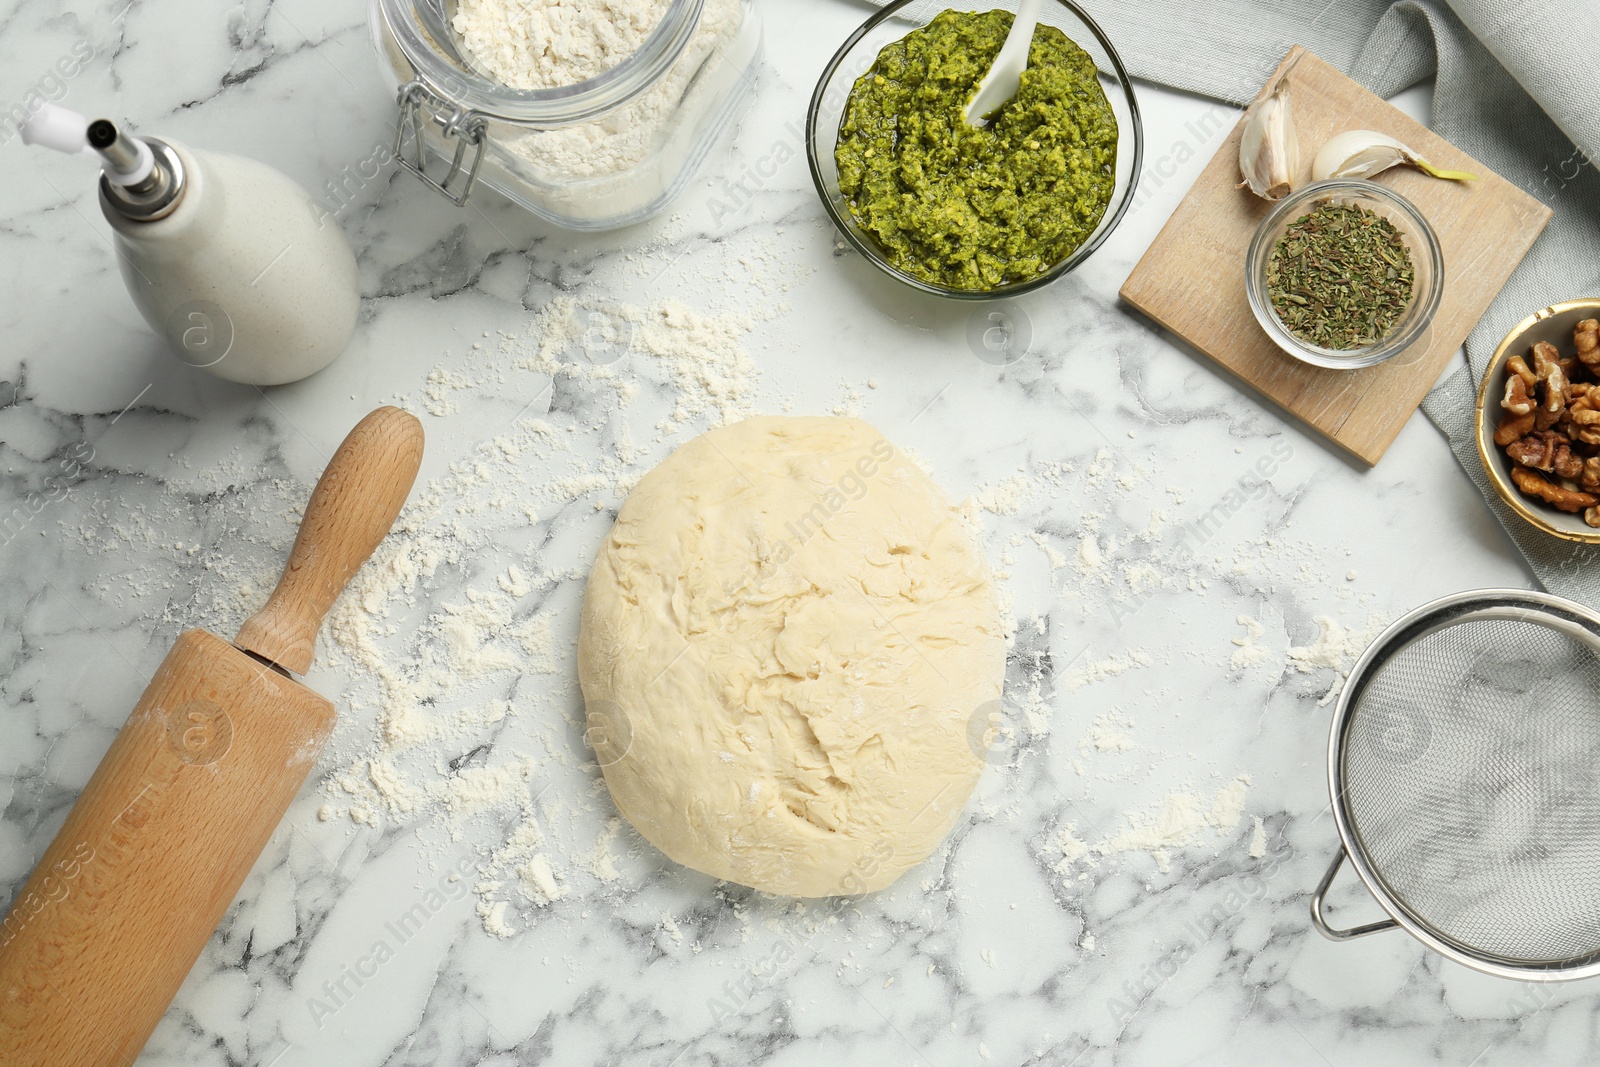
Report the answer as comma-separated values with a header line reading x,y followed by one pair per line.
x,y
465,127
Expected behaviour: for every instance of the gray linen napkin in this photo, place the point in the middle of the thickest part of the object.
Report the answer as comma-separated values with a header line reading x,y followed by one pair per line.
x,y
1497,62
1515,85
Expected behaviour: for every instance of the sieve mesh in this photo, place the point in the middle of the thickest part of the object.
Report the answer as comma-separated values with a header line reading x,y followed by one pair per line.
x,y
1470,772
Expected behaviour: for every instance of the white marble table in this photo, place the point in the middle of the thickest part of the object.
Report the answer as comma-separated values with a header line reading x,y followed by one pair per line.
x,y
1178,941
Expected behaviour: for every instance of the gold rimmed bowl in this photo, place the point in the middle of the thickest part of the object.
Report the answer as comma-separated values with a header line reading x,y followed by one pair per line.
x,y
1553,325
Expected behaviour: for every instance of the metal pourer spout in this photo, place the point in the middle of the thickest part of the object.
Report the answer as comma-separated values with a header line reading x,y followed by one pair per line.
x,y
120,154
142,178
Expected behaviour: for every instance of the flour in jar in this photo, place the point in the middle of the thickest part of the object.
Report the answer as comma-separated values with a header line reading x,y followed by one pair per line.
x,y
554,43
546,44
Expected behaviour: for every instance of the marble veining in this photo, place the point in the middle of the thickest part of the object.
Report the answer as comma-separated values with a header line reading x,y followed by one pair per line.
x,y
140,493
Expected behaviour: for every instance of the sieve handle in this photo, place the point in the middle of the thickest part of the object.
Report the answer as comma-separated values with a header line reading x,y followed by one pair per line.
x,y
1333,933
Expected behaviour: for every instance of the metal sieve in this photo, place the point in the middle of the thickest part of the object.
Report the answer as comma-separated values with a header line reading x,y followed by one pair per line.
x,y
1464,767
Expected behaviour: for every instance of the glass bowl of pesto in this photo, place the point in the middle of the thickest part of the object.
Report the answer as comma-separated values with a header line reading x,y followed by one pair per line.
x,y
974,214
1344,274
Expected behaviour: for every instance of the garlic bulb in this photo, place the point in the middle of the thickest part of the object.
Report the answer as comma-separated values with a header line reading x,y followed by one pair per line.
x,y
1363,153
1269,153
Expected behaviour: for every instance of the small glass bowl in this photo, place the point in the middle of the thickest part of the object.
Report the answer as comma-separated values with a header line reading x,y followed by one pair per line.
x,y
856,56
1421,242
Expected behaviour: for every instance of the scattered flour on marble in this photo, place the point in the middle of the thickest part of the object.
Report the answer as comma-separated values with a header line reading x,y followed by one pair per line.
x,y
1071,848
537,881
448,752
600,861
709,370
1335,649
1108,733
1089,558
1105,565
438,388
1090,671
1246,652
491,910
770,266
1006,497
850,396
1183,819
1051,555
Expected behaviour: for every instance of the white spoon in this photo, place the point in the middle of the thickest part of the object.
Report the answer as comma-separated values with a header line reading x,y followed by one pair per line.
x,y
1005,74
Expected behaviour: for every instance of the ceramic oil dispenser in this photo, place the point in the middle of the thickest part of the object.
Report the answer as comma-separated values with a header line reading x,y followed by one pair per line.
x,y
233,263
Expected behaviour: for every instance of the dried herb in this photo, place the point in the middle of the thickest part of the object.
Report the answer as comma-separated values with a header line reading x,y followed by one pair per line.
x,y
1340,277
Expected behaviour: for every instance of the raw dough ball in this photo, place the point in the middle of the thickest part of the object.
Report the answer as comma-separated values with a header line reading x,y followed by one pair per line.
x,y
788,638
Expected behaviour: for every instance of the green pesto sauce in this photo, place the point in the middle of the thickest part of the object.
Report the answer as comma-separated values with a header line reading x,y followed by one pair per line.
x,y
976,208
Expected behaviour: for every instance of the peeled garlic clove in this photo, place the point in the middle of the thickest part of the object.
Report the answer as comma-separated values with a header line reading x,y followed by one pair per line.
x,y
1363,153
1269,153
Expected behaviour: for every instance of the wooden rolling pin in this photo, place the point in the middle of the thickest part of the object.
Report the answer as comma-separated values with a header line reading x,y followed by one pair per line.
x,y
178,811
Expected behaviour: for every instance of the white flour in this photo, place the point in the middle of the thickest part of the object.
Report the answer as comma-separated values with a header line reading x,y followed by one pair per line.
x,y
1089,558
1054,558
1247,653
1108,734
1335,649
1071,848
1119,575
624,162
549,43
709,370
1006,497
1090,671
1183,819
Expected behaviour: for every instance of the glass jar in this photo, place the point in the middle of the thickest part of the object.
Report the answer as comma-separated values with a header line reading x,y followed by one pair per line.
x,y
598,154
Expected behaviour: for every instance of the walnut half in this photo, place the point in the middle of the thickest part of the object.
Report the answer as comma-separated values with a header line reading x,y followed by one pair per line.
x,y
1537,485
1586,338
1547,451
1519,414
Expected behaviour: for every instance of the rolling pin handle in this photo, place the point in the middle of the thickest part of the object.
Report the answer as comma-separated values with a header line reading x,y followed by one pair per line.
x,y
355,502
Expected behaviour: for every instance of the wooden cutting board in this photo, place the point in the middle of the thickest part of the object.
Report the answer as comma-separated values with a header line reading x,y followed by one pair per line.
x,y
1191,280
